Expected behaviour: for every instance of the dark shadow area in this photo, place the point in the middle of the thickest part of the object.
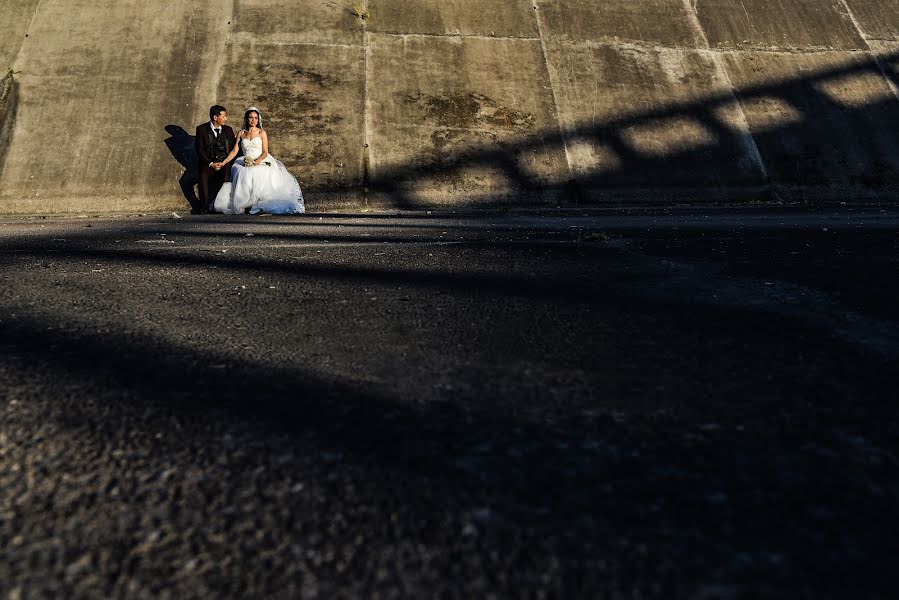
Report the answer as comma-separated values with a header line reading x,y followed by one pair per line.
x,y
559,288
9,99
755,251
182,145
750,451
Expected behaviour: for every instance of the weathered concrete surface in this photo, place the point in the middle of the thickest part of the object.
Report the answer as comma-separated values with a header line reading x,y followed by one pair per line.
x,y
877,19
794,126
313,103
778,24
464,107
508,18
297,22
16,16
650,22
98,86
614,102
453,102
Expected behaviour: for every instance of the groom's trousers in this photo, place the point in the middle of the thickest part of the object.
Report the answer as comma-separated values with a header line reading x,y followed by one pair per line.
x,y
210,182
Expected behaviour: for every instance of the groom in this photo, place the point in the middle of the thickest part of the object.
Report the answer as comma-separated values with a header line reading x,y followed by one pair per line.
x,y
214,142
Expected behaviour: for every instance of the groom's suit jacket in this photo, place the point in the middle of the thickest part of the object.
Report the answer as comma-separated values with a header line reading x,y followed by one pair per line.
x,y
210,181
205,139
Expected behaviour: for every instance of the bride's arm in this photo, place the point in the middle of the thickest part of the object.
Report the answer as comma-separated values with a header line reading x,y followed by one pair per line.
x,y
233,152
264,154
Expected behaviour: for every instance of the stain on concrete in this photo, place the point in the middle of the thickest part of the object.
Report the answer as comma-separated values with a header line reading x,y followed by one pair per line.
x,y
312,98
470,110
443,138
324,81
298,115
455,145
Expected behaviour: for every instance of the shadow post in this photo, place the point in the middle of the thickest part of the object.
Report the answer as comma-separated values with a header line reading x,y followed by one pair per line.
x,y
9,95
183,148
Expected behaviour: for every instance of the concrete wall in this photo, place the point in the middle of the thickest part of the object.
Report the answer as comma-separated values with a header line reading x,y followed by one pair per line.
x,y
452,103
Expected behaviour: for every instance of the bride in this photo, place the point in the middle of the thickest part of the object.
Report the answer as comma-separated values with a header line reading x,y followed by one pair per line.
x,y
260,183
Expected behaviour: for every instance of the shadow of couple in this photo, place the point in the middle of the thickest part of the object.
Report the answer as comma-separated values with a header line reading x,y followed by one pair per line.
x,y
182,145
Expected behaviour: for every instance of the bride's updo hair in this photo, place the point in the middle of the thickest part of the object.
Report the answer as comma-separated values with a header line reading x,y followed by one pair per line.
x,y
246,118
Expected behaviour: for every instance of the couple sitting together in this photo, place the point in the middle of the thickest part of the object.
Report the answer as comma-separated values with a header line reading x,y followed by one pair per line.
x,y
255,183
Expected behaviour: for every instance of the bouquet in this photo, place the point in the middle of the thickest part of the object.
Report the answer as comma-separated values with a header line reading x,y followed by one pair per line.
x,y
249,162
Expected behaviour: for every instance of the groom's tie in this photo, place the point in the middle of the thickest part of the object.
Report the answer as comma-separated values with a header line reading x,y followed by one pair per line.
x,y
218,130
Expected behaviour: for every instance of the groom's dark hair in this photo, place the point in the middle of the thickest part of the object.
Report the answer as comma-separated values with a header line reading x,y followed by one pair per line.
x,y
214,110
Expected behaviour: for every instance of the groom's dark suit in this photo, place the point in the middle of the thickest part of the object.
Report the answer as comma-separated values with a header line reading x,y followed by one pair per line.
x,y
210,149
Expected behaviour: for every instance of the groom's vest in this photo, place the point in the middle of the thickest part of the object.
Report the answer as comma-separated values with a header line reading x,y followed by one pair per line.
x,y
219,149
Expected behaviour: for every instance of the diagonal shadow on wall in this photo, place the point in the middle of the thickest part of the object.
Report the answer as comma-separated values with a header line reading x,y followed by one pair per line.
x,y
9,96
828,133
832,130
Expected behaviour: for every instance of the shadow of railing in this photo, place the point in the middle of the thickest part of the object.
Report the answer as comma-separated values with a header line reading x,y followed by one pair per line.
x,y
800,135
182,145
823,142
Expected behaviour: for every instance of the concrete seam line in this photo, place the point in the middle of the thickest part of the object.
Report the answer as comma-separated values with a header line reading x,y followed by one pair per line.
x,y
448,128
780,50
366,116
877,61
751,146
457,35
552,88
31,21
281,39
855,23
641,47
694,19
815,50
263,42
220,61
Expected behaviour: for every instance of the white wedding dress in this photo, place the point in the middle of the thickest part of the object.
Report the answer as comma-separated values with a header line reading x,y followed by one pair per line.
x,y
264,188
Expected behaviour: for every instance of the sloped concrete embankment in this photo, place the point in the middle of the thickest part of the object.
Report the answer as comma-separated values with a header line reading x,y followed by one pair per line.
x,y
470,103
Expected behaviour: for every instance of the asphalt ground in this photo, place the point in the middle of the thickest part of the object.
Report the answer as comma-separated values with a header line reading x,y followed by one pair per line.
x,y
603,404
